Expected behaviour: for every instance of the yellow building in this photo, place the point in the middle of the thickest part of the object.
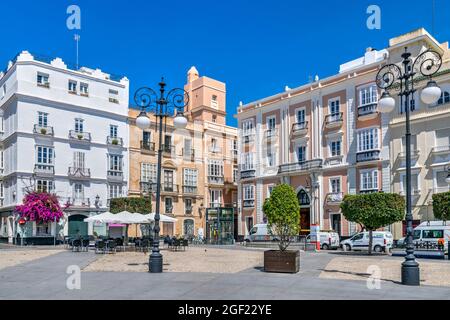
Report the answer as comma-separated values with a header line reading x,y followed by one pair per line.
x,y
199,167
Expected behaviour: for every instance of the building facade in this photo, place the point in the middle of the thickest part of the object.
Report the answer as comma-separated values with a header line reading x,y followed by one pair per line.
x,y
199,169
326,139
64,131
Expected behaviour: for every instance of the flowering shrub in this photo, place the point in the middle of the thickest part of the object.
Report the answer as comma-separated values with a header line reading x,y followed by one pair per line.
x,y
40,207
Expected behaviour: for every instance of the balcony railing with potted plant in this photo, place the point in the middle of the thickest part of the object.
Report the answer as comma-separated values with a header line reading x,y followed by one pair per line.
x,y
45,131
298,167
365,156
249,203
79,173
115,141
80,136
148,146
189,189
219,180
300,128
334,120
76,202
334,198
168,150
44,169
368,111
115,176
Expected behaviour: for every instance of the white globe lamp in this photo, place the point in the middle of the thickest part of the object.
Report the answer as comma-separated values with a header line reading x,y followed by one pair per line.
x,y
142,121
180,121
386,104
431,93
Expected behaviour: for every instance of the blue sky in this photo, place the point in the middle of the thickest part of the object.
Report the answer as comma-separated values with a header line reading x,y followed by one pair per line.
x,y
256,46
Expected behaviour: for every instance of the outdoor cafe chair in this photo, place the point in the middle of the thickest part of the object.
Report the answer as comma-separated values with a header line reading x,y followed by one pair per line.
x,y
76,245
100,246
85,245
111,246
185,244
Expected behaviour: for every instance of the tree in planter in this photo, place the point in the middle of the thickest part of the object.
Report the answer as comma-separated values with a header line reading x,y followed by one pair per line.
x,y
373,211
283,214
441,206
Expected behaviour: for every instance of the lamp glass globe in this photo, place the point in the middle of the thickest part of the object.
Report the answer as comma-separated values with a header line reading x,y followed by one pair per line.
x,y
386,104
180,121
143,122
431,93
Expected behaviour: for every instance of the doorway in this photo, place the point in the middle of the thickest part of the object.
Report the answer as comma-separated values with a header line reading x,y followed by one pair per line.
x,y
305,212
336,223
77,226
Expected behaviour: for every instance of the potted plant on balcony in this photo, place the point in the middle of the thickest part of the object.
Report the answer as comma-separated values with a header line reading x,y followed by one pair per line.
x,y
80,136
282,210
43,131
115,142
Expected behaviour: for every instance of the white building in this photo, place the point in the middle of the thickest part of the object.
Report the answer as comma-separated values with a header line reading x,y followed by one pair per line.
x,y
64,131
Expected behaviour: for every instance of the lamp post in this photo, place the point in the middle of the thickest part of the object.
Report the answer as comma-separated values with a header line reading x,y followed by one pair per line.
x,y
391,76
162,106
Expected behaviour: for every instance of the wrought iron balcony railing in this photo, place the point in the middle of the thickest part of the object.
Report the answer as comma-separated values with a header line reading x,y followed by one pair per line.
x,y
189,189
248,203
248,174
79,173
43,169
368,109
76,202
300,166
45,131
300,128
115,176
80,136
168,150
333,120
216,180
335,197
365,156
148,146
115,141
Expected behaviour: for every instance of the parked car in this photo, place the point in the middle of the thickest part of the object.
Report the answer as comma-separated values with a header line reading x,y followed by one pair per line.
x,y
329,240
260,232
433,232
382,242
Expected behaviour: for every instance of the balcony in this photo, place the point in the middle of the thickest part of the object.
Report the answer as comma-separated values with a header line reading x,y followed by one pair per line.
x,y
414,155
441,190
168,150
147,146
334,120
271,135
299,167
367,191
248,138
248,203
188,210
115,176
79,173
148,187
215,204
366,156
114,141
300,129
414,192
44,170
235,155
45,131
189,154
441,150
80,136
248,174
190,190
334,198
368,111
215,149
218,180
169,188
75,203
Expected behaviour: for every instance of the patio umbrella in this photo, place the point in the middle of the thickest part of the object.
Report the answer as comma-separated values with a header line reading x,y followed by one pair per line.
x,y
162,217
106,217
132,218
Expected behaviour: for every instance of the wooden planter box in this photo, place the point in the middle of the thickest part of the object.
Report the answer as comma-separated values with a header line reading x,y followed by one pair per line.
x,y
282,262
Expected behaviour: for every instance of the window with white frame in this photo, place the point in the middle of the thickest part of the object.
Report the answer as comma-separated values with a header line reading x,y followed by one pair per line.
x,y
443,138
369,180
43,79
79,160
301,116
335,185
45,186
115,191
444,99
415,187
271,123
115,163
334,106
271,158
270,188
44,155
368,140
148,172
335,148
43,229
412,105
79,125
72,86
188,206
214,102
215,198
248,192
368,95
247,161
190,177
84,89
235,174
215,169
413,143
247,128
301,154
441,183
113,96
113,131
168,205
42,119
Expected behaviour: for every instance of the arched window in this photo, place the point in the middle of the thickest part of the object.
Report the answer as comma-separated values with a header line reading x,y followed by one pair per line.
x,y
303,198
188,227
445,98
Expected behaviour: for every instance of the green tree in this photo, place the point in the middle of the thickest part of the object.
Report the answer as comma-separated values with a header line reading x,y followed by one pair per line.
x,y
374,210
140,205
283,213
441,206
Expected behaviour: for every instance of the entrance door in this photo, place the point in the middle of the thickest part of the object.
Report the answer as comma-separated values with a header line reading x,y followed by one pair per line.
x,y
77,226
305,221
336,223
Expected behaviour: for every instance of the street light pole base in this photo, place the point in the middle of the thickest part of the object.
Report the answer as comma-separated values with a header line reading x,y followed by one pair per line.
x,y
155,263
410,275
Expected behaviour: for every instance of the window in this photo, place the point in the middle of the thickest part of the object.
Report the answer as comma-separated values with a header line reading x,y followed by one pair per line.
x,y
249,192
113,131
215,197
79,125
43,229
214,147
433,234
72,86
148,172
215,171
271,123
45,186
188,206
167,141
115,191
3,91
44,155
368,95
412,105
301,116
169,205
190,177
413,143
414,183
235,174
84,89
445,98
335,148
369,180
188,147
334,107
368,140
269,190
113,96
78,191
301,154
146,137
42,119
214,118
247,161
168,180
249,223
335,185
42,79
79,160
441,184
271,159
214,102
247,128
2,160
188,228
443,138
234,146
115,163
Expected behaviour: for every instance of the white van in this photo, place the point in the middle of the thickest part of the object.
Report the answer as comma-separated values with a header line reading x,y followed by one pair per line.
x,y
382,241
260,232
433,232
329,240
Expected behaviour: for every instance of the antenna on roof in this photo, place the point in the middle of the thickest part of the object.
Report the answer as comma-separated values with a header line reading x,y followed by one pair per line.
x,y
77,39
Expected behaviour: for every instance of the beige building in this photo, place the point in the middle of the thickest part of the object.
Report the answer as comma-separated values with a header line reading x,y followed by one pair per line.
x,y
430,128
199,163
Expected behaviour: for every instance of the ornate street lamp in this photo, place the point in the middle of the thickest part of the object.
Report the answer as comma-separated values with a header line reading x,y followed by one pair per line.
x,y
391,76
162,106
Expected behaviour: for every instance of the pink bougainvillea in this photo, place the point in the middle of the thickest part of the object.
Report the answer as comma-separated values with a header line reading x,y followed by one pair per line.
x,y
40,207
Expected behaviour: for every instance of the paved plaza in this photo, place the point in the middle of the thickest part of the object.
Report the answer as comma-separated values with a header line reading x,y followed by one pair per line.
x,y
325,275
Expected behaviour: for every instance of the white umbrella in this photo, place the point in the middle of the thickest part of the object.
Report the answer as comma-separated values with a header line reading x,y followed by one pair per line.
x,y
106,217
132,218
162,218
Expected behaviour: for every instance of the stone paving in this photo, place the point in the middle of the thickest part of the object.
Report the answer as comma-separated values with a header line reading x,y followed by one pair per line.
x,y
46,278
